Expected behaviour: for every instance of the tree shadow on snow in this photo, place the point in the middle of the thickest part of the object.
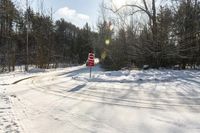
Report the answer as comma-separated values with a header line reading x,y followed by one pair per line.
x,y
77,88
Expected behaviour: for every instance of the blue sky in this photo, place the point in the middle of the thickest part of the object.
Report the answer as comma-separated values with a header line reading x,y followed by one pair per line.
x,y
77,12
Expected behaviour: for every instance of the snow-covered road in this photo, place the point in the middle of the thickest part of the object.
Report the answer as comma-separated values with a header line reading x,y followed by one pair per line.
x,y
66,101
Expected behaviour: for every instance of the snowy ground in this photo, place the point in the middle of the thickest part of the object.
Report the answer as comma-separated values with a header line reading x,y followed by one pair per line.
x,y
67,101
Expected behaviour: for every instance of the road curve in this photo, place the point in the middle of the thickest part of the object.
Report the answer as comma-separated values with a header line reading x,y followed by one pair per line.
x,y
58,103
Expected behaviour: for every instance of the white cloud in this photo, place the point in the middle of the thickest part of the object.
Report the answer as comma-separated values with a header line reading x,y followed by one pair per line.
x,y
72,15
83,16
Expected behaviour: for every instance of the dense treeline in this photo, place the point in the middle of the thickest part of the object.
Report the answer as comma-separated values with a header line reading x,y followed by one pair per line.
x,y
49,42
169,36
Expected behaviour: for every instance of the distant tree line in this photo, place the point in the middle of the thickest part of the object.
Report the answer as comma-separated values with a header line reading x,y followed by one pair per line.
x,y
49,42
168,37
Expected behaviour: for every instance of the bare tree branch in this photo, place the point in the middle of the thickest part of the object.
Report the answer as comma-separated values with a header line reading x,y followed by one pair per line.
x,y
132,5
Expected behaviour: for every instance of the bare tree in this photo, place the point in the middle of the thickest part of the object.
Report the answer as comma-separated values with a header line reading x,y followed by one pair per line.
x,y
151,12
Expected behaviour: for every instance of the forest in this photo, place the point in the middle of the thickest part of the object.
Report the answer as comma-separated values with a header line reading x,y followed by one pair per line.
x,y
33,38
151,33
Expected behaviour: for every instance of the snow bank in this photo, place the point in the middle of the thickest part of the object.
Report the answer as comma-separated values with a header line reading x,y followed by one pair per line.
x,y
126,76
8,121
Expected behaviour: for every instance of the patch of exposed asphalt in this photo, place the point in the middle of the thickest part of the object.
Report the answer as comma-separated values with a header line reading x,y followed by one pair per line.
x,y
22,80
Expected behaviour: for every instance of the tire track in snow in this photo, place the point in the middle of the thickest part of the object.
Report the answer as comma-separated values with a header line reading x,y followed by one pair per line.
x,y
91,96
95,93
74,96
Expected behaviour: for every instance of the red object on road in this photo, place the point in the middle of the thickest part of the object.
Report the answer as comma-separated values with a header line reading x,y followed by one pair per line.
x,y
90,61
